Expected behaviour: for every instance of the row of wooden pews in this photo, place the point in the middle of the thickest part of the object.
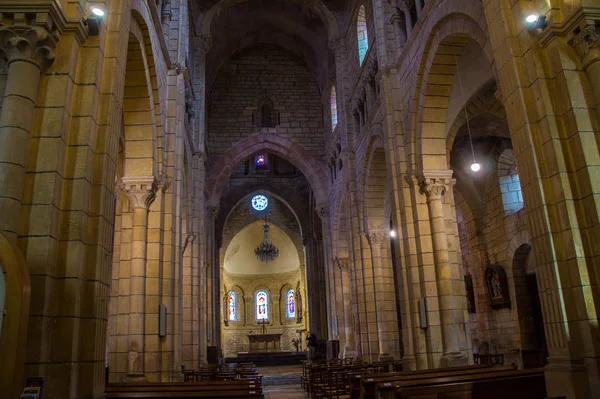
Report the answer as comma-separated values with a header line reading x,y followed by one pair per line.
x,y
331,379
225,381
466,382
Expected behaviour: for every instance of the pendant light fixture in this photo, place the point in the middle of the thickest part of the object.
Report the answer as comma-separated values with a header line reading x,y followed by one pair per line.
x,y
475,166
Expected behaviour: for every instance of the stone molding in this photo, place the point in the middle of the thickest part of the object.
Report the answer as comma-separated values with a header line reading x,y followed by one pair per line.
x,y
435,183
140,191
587,45
214,212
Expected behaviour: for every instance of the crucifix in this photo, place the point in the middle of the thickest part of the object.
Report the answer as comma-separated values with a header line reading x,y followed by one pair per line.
x,y
263,326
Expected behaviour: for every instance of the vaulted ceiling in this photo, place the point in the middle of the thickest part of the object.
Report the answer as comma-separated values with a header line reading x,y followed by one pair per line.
x,y
302,27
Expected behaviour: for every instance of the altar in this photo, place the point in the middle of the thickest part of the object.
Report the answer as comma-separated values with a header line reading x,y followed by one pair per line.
x,y
265,342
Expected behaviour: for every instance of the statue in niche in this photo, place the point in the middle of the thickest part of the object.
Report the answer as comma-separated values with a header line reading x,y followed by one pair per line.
x,y
131,365
497,284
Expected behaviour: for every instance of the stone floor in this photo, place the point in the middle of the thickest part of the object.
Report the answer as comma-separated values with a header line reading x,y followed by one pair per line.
x,y
282,382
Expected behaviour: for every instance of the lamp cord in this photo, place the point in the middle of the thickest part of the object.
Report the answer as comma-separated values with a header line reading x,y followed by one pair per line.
x,y
462,95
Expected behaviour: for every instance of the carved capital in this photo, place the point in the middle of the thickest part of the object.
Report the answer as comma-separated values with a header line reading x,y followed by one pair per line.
x,y
204,44
140,191
587,45
214,211
335,43
323,211
435,183
28,37
405,5
375,239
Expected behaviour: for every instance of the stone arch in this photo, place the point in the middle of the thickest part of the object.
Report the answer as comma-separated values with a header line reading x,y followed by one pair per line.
x,y
240,303
317,6
13,341
254,313
310,165
140,136
449,35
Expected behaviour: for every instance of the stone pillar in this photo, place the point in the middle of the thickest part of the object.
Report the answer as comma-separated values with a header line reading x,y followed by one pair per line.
x,y
434,184
141,193
350,345
587,46
328,270
406,6
28,51
375,242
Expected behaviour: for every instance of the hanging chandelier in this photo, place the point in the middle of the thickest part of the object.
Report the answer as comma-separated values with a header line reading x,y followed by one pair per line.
x,y
266,251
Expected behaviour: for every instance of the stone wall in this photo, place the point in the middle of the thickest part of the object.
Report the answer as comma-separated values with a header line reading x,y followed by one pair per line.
x,y
243,84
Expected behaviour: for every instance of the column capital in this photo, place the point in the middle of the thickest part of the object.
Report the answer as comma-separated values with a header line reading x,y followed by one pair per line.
x,y
30,37
214,211
323,211
435,183
141,191
587,44
341,263
335,43
405,5
375,239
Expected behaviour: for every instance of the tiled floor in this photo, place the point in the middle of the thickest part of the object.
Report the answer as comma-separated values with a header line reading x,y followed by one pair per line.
x,y
282,382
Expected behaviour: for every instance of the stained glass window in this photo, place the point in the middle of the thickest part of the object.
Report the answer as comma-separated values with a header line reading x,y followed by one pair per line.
x,y
262,306
260,202
363,38
261,160
334,117
291,304
232,303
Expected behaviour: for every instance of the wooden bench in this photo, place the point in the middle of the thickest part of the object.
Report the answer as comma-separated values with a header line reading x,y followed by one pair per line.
x,y
371,380
217,389
513,384
387,385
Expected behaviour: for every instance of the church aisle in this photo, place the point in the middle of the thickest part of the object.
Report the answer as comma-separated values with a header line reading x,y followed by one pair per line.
x,y
282,382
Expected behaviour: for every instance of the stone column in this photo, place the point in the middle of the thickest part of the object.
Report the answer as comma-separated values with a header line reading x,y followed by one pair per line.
x,y
141,193
434,184
406,6
328,270
28,51
349,348
375,242
587,46
212,289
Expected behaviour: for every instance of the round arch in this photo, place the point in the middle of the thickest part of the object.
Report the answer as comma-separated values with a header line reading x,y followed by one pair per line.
x,y
432,93
310,165
374,187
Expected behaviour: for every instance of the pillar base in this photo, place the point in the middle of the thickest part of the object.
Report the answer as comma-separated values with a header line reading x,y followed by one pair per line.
x,y
348,352
569,378
409,363
135,377
454,359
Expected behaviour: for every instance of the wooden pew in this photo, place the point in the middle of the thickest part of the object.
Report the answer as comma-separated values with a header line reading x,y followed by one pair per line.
x,y
357,379
512,384
208,389
370,389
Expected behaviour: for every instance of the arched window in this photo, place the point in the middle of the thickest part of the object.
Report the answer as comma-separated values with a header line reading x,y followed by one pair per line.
x,y
510,184
333,102
262,306
291,304
361,31
232,306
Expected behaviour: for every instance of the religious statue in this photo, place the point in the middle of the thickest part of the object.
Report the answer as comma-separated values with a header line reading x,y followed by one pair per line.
x,y
298,304
497,284
131,365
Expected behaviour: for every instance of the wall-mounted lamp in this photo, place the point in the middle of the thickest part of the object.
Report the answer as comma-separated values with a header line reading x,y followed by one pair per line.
x,y
392,233
94,19
535,21
475,167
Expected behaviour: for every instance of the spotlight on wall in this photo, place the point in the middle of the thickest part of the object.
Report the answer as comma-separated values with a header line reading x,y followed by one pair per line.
x,y
535,21
392,233
475,167
94,19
